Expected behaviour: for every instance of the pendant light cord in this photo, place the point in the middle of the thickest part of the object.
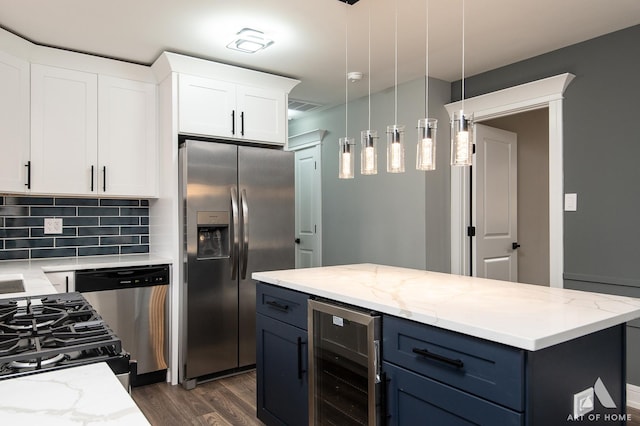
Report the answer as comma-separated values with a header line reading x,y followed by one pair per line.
x,y
426,66
346,71
369,100
396,66
462,55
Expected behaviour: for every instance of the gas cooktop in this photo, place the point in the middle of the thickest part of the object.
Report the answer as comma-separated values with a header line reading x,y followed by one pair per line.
x,y
42,333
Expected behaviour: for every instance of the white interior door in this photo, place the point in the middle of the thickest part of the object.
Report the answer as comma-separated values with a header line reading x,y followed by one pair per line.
x,y
308,207
495,204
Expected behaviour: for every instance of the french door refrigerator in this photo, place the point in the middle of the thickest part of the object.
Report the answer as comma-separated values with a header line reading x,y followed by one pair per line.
x,y
237,217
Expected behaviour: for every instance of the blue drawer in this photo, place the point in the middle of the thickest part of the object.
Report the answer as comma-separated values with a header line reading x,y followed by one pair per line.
x,y
486,369
417,400
282,304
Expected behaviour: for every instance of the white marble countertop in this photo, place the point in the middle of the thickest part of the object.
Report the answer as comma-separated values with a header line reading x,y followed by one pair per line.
x,y
36,282
85,395
525,316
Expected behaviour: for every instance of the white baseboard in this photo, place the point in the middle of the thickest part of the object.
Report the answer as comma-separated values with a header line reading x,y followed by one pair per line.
x,y
633,396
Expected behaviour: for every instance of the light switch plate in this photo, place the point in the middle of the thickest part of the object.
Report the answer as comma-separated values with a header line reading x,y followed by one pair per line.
x,y
53,225
570,202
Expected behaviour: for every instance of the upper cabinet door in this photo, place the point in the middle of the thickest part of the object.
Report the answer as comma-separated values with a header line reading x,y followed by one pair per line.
x,y
127,143
14,123
63,131
206,107
263,114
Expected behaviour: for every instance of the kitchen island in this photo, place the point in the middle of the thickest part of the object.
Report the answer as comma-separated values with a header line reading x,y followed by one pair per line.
x,y
530,355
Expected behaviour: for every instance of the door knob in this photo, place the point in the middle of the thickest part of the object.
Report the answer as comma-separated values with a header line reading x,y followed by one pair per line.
x,y
297,240
515,245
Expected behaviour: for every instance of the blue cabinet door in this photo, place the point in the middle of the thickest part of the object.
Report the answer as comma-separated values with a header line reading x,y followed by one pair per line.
x,y
417,400
281,373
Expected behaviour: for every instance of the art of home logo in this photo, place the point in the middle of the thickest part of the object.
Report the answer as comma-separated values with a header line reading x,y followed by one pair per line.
x,y
584,403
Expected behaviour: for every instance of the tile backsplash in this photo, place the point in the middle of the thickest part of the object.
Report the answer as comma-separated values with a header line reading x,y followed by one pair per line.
x,y
90,227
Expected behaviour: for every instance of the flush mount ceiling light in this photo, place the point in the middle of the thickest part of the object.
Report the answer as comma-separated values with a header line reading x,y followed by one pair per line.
x,y
249,41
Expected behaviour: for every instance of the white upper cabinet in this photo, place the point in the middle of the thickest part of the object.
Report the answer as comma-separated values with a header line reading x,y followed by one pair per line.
x,y
14,123
92,135
206,107
263,114
221,109
127,141
64,131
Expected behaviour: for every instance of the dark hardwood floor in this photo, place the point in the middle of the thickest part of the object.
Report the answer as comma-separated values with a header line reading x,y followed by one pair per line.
x,y
228,401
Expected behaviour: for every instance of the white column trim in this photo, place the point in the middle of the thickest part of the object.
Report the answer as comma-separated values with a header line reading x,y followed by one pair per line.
x,y
547,92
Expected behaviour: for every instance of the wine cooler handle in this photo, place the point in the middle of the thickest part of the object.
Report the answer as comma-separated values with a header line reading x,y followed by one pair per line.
x,y
300,369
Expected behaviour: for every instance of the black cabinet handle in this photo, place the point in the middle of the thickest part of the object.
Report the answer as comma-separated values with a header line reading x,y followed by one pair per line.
x,y
297,240
92,178
242,123
104,179
425,353
28,166
515,245
300,369
278,306
233,122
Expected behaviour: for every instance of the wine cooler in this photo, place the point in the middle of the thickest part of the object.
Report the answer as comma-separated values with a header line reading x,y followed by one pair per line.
x,y
344,364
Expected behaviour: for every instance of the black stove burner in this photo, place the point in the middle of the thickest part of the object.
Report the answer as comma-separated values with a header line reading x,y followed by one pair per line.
x,y
52,331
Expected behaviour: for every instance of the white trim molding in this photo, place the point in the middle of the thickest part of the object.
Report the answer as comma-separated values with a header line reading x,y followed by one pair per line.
x,y
544,93
305,140
633,396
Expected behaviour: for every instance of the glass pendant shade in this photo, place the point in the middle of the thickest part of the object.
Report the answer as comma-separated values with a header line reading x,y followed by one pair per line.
x,y
395,149
461,140
346,160
369,152
426,148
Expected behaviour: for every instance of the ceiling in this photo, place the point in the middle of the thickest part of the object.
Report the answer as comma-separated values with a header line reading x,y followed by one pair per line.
x,y
310,35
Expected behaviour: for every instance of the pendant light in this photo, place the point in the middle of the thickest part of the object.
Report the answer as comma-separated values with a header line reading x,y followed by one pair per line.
x,y
368,138
395,132
346,158
461,126
427,127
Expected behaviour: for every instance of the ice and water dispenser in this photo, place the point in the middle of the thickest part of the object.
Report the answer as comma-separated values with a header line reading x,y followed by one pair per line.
x,y
213,234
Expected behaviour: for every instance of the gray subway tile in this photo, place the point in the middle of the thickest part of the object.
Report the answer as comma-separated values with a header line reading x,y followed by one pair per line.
x,y
98,211
79,241
97,251
21,222
81,221
14,254
106,221
134,249
134,211
107,241
14,232
144,240
134,230
53,211
14,211
67,231
57,252
29,201
144,220
28,243
76,201
117,202
99,230
144,203
1,201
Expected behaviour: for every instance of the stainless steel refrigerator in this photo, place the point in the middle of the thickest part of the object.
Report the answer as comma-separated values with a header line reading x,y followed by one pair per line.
x,y
238,217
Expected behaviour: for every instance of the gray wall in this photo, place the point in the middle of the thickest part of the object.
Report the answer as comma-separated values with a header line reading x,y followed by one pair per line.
x,y
392,219
601,151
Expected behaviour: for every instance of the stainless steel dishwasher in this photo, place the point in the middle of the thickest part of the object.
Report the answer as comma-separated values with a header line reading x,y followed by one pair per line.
x,y
133,302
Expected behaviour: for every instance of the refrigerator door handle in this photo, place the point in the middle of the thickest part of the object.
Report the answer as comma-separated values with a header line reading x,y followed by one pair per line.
x,y
234,220
245,233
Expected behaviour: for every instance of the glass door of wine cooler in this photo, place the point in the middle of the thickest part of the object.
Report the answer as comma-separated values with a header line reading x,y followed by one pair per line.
x,y
344,360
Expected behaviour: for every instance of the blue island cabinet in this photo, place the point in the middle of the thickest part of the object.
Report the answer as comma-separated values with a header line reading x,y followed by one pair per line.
x,y
438,377
281,356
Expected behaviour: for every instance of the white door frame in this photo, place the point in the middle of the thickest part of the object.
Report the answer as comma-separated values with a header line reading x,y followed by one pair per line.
x,y
544,93
303,141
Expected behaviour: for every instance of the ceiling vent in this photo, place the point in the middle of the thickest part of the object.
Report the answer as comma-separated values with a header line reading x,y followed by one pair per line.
x,y
297,108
